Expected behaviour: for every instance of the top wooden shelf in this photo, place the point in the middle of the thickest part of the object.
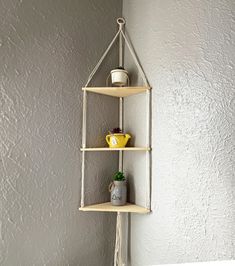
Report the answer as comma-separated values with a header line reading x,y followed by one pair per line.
x,y
117,91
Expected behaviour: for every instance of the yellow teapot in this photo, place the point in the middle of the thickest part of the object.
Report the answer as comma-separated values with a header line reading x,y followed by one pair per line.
x,y
117,140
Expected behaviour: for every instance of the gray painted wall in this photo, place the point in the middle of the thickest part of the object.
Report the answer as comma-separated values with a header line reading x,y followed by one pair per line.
x,y
187,50
47,51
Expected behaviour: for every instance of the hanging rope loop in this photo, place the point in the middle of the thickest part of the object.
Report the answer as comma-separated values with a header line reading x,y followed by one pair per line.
x,y
121,22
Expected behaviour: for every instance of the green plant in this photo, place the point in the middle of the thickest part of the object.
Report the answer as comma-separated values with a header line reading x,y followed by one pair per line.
x,y
119,176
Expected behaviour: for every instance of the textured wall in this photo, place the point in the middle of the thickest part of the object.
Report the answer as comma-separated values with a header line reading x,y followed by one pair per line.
x,y
187,50
47,50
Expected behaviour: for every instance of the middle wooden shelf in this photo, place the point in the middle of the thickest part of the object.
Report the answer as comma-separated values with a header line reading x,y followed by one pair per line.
x,y
117,149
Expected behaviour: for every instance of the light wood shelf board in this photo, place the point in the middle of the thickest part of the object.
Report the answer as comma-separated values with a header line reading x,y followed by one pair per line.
x,y
108,207
117,91
117,149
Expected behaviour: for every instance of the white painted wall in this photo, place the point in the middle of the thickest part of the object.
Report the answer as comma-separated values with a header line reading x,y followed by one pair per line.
x,y
47,50
187,50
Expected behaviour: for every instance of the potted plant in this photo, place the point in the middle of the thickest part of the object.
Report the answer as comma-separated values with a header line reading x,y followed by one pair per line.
x,y
119,77
118,189
117,139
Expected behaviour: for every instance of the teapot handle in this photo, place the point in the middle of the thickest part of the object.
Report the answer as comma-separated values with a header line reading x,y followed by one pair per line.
x,y
108,139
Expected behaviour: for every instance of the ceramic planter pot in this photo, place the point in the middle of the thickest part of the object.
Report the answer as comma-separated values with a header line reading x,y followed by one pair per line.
x,y
119,77
118,192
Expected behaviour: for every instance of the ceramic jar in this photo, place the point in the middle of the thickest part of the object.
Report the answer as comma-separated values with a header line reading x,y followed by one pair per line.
x,y
118,192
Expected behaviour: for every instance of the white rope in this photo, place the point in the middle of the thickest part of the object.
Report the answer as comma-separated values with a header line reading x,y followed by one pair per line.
x,y
118,251
118,244
120,59
83,145
102,58
82,182
84,105
148,161
131,49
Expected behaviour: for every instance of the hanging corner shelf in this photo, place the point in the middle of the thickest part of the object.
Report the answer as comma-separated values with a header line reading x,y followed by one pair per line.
x,y
108,207
118,91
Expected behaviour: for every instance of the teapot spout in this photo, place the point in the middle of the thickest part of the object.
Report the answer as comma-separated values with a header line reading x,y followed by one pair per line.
x,y
127,137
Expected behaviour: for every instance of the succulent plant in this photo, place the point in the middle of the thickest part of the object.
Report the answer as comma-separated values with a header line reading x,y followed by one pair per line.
x,y
119,176
116,130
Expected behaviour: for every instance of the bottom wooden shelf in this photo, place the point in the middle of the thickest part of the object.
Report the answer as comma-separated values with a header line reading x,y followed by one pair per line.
x,y
108,207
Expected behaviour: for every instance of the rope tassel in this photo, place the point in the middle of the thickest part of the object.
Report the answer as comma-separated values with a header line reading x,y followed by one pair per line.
x,y
118,245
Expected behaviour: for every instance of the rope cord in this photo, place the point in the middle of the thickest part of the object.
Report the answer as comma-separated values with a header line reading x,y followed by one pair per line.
x,y
102,58
84,119
82,182
131,49
83,145
118,251
148,143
